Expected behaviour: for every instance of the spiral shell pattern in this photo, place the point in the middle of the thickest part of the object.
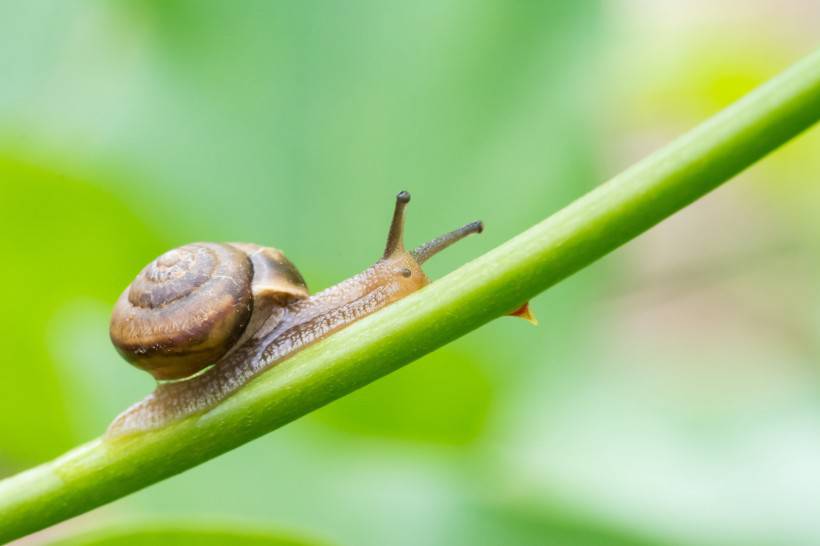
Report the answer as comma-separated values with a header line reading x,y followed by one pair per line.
x,y
185,310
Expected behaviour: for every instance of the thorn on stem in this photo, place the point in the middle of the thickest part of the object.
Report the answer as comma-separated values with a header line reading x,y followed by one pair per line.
x,y
525,313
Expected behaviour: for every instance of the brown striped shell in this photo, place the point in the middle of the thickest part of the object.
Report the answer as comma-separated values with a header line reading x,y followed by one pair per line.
x,y
189,307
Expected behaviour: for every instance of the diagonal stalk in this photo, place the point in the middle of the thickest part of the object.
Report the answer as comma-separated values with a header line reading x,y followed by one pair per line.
x,y
488,287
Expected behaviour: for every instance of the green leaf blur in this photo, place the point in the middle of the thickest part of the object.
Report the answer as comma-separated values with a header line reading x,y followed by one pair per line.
x,y
667,392
158,534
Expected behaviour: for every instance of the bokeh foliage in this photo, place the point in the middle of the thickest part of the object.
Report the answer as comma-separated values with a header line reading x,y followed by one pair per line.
x,y
129,128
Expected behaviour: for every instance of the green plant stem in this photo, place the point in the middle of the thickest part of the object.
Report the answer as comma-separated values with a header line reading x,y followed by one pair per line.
x,y
480,291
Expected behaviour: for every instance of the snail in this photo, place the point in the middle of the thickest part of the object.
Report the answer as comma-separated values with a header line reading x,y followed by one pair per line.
x,y
206,318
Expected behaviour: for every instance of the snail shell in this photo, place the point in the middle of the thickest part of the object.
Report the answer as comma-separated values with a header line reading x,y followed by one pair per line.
x,y
192,305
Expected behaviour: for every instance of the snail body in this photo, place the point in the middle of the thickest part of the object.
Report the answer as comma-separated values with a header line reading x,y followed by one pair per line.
x,y
210,317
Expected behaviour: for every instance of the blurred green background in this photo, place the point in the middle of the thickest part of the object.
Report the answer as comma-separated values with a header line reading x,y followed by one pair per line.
x,y
670,395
